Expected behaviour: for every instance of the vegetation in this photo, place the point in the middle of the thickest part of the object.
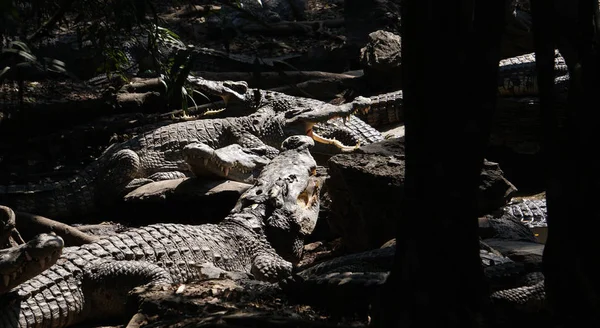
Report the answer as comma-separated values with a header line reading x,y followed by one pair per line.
x,y
101,27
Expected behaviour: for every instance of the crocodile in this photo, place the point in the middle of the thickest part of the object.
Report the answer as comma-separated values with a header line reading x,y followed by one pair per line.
x,y
337,131
356,279
158,155
263,236
516,78
21,261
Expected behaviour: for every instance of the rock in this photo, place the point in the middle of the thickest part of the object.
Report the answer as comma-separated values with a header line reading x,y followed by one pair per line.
x,y
366,187
362,17
504,227
269,11
381,61
517,249
518,36
185,200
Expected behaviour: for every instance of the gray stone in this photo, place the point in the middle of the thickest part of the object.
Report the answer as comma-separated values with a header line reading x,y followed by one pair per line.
x,y
366,189
381,61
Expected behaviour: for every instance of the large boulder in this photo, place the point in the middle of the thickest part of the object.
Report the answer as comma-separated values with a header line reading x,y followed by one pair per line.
x,y
362,17
366,189
381,61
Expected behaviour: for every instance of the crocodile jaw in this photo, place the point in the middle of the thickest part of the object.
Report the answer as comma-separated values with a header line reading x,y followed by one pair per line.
x,y
344,148
21,263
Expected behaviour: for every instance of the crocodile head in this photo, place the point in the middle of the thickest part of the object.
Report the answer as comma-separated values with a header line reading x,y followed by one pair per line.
x,y
21,263
232,162
287,195
302,120
227,90
7,224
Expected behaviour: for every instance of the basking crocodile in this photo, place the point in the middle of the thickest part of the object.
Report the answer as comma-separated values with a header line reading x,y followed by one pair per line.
x,y
262,236
158,155
338,131
516,78
356,278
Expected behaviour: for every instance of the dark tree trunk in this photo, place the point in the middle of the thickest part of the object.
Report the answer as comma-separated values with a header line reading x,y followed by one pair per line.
x,y
570,255
450,54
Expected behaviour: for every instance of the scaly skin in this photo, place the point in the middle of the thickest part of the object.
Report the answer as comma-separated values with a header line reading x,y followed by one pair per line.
x,y
158,155
343,133
517,76
351,281
531,212
385,109
261,236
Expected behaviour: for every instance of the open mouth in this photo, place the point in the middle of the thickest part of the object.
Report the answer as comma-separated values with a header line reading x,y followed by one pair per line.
x,y
211,164
331,141
343,112
310,195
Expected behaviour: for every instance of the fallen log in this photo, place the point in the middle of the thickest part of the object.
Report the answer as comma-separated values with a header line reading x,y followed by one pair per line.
x,y
268,80
31,225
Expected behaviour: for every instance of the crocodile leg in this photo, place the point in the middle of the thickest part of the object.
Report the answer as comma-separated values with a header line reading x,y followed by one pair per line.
x,y
268,266
123,170
527,298
121,173
107,285
170,175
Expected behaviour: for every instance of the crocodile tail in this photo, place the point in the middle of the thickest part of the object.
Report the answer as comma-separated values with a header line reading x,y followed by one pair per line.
x,y
68,197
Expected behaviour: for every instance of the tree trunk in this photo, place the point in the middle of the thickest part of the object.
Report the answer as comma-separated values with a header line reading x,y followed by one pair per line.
x,y
570,259
450,55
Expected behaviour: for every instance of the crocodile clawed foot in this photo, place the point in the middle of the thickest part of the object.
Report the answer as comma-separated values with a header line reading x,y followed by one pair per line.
x,y
232,162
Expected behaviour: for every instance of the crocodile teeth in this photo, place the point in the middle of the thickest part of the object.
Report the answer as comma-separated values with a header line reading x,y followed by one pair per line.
x,y
205,161
27,256
332,141
6,280
226,170
42,262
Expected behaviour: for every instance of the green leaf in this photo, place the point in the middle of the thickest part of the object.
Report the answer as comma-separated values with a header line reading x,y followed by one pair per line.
x,y
4,71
